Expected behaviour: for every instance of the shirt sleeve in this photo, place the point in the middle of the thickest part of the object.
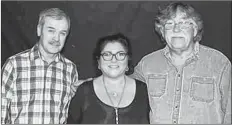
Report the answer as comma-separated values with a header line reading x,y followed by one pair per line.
x,y
8,78
75,82
138,72
225,88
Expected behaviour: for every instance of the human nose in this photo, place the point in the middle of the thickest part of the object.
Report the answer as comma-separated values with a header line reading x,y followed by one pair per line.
x,y
176,27
56,37
114,58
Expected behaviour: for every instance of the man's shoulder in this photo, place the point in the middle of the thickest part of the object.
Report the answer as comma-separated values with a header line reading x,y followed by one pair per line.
x,y
68,61
23,54
155,55
215,54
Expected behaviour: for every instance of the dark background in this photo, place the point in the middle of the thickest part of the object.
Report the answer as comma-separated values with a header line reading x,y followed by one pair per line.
x,y
93,19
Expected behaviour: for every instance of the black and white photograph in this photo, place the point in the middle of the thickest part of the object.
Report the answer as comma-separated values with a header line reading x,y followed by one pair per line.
x,y
116,62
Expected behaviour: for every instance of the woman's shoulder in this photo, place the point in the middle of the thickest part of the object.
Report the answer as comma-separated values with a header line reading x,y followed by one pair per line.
x,y
137,82
140,83
141,90
86,83
85,86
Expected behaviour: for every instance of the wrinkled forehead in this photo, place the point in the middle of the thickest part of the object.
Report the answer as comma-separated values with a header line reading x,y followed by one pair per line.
x,y
56,21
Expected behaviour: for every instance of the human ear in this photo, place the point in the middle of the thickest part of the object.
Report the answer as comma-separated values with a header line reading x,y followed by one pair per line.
x,y
98,65
195,31
162,31
38,30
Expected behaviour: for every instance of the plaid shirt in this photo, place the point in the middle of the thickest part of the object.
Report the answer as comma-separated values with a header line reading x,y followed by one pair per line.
x,y
35,92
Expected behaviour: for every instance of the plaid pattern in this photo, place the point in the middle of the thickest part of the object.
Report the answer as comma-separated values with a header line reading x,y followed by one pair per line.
x,y
35,92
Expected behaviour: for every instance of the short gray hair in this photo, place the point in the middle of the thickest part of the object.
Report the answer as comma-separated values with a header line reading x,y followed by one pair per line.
x,y
54,13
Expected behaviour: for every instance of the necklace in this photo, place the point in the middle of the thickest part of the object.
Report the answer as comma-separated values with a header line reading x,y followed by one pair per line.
x,y
114,94
115,107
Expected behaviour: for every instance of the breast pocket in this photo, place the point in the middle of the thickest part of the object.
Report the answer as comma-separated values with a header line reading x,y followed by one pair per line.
x,y
157,84
202,89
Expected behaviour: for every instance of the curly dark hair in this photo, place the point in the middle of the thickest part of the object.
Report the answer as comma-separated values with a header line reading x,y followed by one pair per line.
x,y
115,38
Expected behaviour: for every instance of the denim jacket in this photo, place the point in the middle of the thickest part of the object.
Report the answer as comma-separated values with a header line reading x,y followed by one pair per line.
x,y
200,93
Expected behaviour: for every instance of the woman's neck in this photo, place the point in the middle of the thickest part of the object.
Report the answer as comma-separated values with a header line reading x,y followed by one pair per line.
x,y
114,81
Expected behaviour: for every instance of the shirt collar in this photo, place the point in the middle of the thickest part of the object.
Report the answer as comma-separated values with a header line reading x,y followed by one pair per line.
x,y
35,54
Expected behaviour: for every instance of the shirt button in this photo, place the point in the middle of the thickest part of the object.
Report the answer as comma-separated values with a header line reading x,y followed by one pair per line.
x,y
174,122
178,75
176,107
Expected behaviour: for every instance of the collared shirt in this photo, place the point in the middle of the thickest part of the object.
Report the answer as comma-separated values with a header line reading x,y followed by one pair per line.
x,y
35,92
199,93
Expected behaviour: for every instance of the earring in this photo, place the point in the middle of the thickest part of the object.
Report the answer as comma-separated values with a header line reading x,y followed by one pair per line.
x,y
127,69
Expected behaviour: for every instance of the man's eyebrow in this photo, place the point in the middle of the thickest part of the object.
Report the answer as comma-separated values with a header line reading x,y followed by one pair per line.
x,y
50,27
64,31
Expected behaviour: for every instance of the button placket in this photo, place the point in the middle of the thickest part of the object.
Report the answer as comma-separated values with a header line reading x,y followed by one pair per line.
x,y
47,89
177,98
174,122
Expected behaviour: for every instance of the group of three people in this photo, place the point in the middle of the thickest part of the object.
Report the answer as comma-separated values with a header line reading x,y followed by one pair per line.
x,y
185,82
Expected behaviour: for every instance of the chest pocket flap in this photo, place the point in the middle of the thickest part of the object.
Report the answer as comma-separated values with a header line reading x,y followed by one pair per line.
x,y
202,89
157,84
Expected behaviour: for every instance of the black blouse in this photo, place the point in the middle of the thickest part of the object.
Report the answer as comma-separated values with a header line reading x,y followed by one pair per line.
x,y
87,108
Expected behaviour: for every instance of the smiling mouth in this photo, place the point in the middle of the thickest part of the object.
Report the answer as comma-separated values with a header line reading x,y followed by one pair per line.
x,y
113,66
177,37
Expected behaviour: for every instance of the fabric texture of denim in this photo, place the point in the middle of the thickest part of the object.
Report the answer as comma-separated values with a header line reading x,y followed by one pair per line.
x,y
199,93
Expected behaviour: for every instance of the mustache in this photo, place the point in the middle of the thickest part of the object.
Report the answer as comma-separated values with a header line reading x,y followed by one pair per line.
x,y
54,42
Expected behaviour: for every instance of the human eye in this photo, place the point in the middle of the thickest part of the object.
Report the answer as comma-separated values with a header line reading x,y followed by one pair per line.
x,y
189,23
63,33
106,54
122,53
169,23
51,31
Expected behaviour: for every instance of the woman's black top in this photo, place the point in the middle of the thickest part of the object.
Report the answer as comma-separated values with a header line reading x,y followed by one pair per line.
x,y
87,108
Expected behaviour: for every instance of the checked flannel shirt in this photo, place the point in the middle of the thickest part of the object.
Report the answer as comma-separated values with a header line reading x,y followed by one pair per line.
x,y
35,92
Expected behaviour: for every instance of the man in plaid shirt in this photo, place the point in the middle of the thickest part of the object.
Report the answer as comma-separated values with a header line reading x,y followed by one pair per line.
x,y
38,84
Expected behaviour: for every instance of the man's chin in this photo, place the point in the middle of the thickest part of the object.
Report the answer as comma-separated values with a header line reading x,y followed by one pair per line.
x,y
54,51
178,49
